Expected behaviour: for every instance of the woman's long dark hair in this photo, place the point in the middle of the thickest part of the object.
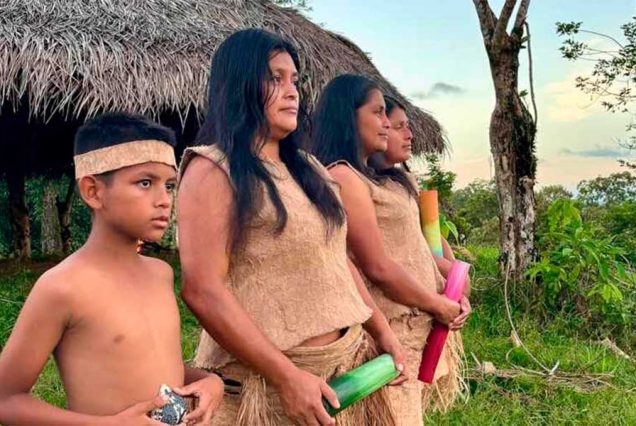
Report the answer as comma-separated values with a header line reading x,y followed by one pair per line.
x,y
377,160
335,134
235,122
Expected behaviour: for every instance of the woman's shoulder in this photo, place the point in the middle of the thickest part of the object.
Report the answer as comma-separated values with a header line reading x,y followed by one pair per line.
x,y
202,154
209,152
347,176
345,170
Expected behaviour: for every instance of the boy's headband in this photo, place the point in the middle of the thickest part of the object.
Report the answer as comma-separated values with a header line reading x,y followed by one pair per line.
x,y
123,155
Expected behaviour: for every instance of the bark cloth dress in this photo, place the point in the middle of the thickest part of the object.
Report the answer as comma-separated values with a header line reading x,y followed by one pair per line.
x,y
294,286
398,218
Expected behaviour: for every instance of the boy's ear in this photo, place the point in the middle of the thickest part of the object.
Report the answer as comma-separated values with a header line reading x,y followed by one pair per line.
x,y
90,189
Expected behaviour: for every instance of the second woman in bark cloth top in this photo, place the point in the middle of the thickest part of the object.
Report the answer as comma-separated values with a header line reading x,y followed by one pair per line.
x,y
262,239
384,235
392,163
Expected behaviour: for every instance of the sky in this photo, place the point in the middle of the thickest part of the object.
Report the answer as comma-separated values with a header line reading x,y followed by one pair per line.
x,y
433,52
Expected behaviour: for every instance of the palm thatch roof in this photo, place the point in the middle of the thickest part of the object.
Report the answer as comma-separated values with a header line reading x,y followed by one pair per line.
x,y
78,58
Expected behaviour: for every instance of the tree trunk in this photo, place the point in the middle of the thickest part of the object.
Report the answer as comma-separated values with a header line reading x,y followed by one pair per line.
x,y
19,213
64,216
512,133
51,239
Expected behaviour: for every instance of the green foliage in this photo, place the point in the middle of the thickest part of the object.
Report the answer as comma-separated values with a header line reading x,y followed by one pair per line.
x,y
442,181
613,70
617,220
608,190
620,221
581,272
6,233
34,190
614,74
548,194
437,178
476,211
448,228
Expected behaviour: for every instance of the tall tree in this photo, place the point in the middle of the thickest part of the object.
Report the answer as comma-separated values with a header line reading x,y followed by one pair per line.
x,y
512,134
64,206
36,147
19,213
50,239
15,158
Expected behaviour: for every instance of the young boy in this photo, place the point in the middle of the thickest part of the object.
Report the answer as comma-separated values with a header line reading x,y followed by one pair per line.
x,y
106,313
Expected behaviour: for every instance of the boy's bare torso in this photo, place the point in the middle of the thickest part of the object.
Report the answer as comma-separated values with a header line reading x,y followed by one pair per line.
x,y
122,340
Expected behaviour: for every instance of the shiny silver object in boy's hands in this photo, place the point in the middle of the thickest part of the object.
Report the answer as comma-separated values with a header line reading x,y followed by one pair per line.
x,y
172,413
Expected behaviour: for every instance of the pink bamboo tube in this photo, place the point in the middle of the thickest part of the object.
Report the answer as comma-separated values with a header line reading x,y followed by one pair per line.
x,y
455,284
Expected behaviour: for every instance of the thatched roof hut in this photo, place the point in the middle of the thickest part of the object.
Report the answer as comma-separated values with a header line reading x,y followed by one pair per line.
x,y
77,58
62,61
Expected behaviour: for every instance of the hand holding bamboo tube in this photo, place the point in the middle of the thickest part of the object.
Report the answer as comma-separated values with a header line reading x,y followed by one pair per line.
x,y
362,381
437,338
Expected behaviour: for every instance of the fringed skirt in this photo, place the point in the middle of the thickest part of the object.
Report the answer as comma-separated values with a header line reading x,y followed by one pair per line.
x,y
414,398
258,403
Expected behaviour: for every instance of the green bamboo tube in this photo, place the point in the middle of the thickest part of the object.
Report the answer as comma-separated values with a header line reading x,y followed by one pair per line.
x,y
362,381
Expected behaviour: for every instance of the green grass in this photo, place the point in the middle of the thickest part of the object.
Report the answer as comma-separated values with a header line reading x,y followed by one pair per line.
x,y
533,400
537,400
490,399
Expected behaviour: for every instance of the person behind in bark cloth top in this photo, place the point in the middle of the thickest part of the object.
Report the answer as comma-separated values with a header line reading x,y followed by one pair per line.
x,y
384,236
262,239
393,163
108,314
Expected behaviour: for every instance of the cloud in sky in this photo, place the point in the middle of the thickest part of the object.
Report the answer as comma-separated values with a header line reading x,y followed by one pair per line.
x,y
598,152
438,89
567,103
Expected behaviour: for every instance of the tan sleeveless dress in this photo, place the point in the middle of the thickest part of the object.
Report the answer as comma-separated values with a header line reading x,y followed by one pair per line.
x,y
294,286
397,214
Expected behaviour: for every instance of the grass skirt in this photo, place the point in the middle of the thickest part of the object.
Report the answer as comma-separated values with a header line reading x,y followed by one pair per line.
x,y
258,403
414,398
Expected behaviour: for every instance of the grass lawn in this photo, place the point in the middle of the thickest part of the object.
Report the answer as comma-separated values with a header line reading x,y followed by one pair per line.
x,y
490,399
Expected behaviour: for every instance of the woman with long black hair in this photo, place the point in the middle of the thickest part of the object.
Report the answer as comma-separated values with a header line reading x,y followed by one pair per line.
x,y
384,237
392,163
262,238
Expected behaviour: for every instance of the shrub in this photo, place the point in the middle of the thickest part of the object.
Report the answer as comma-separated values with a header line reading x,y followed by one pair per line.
x,y
581,272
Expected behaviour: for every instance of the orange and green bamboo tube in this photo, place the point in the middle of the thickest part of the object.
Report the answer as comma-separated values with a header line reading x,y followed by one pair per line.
x,y
429,219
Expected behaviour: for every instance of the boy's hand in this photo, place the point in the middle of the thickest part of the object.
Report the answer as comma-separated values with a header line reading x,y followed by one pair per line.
x,y
301,396
389,343
209,393
138,413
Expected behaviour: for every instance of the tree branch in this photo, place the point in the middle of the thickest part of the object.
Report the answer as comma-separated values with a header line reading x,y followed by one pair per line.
x,y
522,14
604,35
487,19
531,76
504,18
